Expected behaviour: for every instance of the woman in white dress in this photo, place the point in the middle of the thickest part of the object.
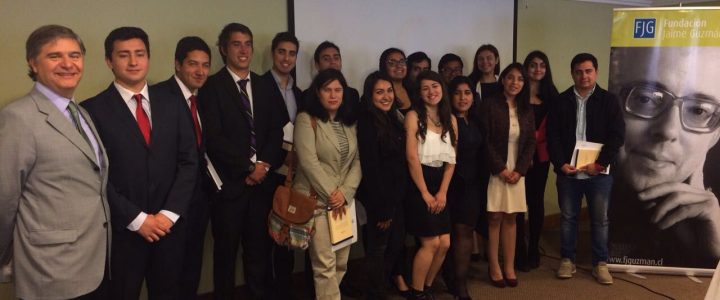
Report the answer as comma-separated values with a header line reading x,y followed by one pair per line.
x,y
509,128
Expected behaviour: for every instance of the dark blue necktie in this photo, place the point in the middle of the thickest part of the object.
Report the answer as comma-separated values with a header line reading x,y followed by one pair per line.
x,y
245,100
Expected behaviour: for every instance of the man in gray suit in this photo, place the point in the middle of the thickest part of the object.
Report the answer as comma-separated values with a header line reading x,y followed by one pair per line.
x,y
54,231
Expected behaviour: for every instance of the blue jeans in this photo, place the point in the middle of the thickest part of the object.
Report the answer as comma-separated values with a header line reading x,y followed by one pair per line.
x,y
597,193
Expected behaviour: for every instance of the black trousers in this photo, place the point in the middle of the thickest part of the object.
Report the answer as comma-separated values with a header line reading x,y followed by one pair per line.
x,y
197,217
384,252
282,260
158,263
535,180
242,219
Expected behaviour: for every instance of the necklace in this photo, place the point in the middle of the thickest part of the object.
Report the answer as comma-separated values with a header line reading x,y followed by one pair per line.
x,y
436,123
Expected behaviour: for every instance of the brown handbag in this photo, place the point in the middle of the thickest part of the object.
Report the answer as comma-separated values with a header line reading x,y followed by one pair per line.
x,y
290,205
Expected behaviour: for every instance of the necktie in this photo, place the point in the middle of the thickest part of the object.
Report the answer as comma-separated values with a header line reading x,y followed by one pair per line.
x,y
142,119
245,100
72,107
196,121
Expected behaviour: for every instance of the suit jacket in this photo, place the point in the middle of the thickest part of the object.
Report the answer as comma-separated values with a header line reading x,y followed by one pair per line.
x,y
604,125
53,209
495,126
227,132
270,80
171,87
318,154
146,178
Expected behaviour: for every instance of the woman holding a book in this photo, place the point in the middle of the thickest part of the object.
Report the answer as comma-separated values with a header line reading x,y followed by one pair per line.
x,y
329,166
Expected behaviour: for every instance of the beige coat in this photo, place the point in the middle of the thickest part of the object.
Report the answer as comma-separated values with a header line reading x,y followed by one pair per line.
x,y
319,160
54,213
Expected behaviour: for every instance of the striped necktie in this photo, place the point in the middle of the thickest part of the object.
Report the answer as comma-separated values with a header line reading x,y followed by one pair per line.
x,y
245,100
74,113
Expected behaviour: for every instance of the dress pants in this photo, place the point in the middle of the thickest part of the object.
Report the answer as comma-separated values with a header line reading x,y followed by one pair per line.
x,y
197,216
158,263
385,253
242,219
328,266
535,181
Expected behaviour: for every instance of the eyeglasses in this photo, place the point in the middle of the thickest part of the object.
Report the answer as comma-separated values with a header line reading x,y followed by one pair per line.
x,y
396,63
457,70
697,114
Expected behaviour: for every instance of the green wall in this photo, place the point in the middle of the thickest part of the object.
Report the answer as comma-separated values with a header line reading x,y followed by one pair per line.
x,y
165,22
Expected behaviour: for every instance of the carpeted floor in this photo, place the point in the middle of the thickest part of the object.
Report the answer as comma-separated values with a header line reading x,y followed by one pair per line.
x,y
541,283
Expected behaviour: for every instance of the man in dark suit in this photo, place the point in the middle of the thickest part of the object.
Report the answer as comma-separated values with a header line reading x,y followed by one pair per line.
x,y
243,122
284,49
153,165
192,66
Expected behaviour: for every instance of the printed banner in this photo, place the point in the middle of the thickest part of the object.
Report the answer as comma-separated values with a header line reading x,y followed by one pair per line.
x,y
665,68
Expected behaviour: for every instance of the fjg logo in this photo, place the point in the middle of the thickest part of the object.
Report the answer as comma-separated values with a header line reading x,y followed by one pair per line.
x,y
644,29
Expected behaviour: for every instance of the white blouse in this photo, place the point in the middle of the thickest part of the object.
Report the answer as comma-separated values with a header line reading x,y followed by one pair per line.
x,y
433,151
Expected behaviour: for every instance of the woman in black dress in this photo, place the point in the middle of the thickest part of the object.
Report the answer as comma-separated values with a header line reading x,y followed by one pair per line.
x,y
486,68
542,91
469,181
381,141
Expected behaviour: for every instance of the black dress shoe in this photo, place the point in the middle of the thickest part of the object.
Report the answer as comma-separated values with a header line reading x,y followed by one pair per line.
x,y
400,292
511,282
497,283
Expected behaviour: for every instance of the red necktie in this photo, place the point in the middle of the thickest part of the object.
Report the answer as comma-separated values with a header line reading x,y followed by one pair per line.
x,y
142,119
196,122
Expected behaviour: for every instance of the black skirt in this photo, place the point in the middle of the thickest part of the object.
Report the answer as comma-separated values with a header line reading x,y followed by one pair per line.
x,y
420,222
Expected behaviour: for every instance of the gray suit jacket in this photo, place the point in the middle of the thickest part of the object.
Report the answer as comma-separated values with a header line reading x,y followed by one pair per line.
x,y
54,215
319,160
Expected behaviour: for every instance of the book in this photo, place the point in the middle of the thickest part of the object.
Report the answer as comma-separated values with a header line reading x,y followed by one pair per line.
x,y
586,153
342,227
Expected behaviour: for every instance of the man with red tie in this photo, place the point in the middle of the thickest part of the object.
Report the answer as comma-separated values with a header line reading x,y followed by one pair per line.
x,y
192,65
152,149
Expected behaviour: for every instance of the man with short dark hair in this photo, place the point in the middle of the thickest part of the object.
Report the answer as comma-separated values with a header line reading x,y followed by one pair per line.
x,y
151,145
284,51
243,120
417,62
584,112
192,65
54,236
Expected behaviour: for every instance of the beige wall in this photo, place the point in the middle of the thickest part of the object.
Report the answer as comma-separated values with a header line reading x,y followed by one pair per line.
x,y
561,29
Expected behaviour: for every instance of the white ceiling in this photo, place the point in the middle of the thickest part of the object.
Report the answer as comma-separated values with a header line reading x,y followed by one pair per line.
x,y
644,2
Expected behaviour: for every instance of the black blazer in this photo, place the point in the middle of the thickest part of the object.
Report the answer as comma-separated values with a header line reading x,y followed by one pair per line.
x,y
495,126
384,168
145,178
270,81
604,124
227,132
171,87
